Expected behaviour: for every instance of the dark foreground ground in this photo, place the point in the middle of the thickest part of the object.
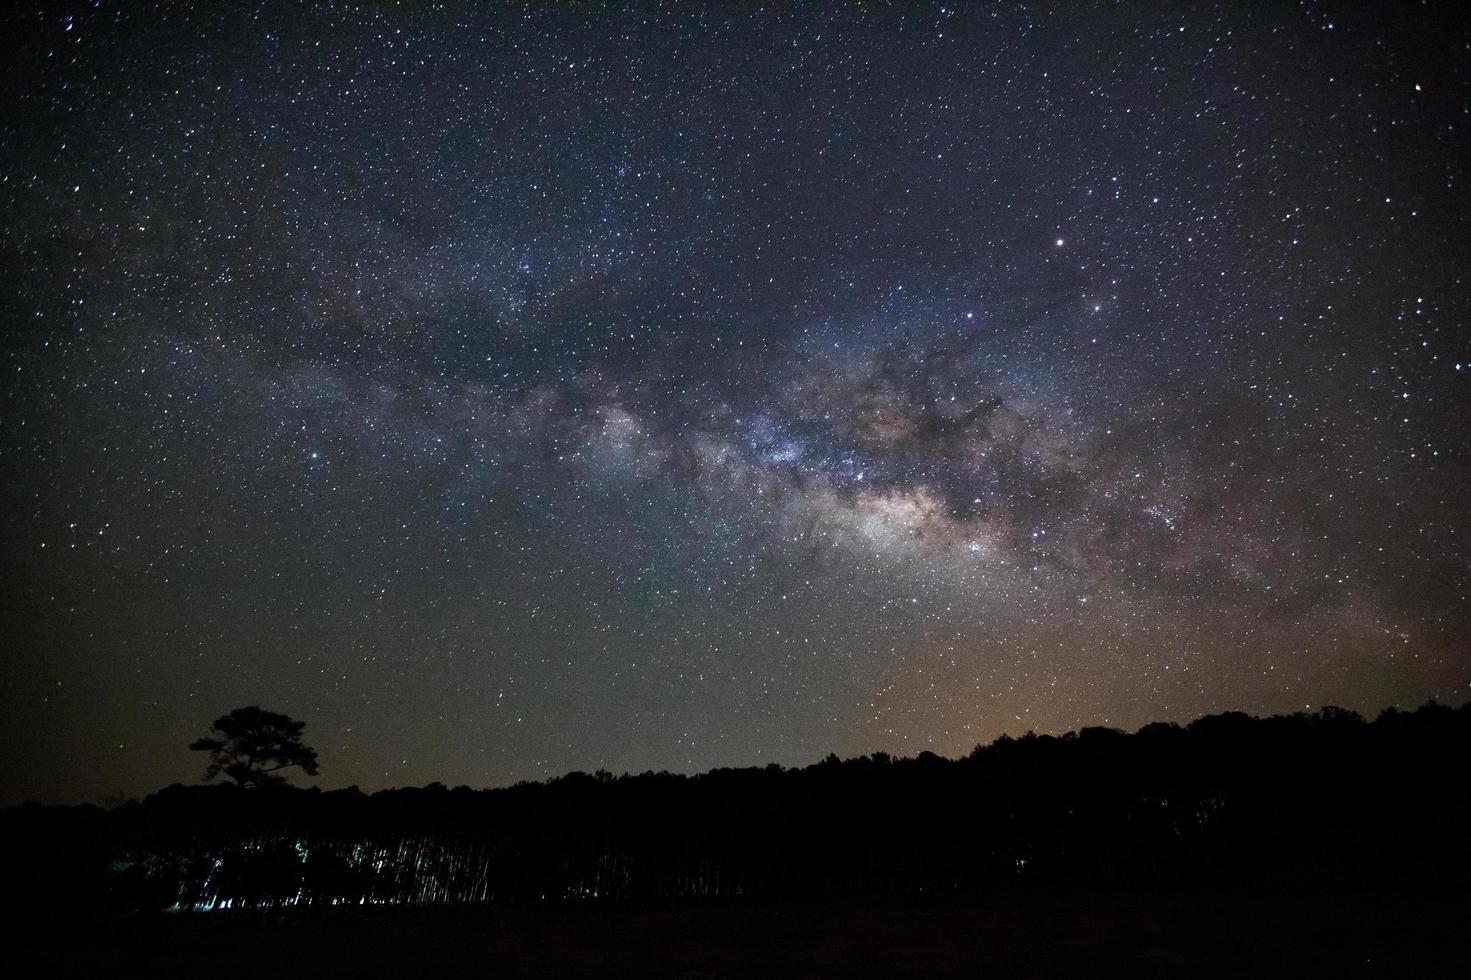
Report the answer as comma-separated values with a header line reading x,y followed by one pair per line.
x,y
1303,935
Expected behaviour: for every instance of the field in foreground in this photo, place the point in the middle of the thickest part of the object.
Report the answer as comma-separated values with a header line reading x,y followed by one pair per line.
x,y
1306,934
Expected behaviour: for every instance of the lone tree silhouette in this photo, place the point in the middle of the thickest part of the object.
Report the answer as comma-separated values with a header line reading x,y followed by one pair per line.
x,y
251,745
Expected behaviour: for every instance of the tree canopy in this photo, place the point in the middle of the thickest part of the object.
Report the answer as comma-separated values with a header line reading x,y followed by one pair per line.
x,y
1229,801
251,746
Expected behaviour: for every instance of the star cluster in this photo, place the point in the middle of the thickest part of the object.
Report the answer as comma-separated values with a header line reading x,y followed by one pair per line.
x,y
518,389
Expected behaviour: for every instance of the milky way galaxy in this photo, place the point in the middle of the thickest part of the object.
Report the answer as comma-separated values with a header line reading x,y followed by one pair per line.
x,y
515,390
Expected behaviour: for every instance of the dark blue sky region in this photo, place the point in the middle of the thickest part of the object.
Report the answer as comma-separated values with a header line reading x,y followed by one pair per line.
x,y
514,389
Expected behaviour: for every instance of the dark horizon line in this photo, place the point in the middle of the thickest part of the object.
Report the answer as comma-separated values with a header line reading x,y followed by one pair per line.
x,y
1327,713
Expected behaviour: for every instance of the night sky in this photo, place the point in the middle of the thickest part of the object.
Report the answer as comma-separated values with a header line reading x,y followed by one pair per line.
x,y
512,391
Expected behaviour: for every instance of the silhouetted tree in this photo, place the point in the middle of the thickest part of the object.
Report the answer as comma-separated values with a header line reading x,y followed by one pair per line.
x,y
1227,800
251,746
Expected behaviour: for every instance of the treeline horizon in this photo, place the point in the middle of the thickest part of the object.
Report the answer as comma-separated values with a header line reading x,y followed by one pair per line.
x,y
1228,798
116,800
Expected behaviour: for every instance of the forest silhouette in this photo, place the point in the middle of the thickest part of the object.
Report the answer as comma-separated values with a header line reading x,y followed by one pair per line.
x,y
1228,799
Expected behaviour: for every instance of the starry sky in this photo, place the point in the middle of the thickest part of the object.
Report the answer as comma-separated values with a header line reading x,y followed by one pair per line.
x,y
509,391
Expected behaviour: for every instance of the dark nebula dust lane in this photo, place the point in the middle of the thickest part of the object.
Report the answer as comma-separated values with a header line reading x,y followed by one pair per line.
x,y
510,391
